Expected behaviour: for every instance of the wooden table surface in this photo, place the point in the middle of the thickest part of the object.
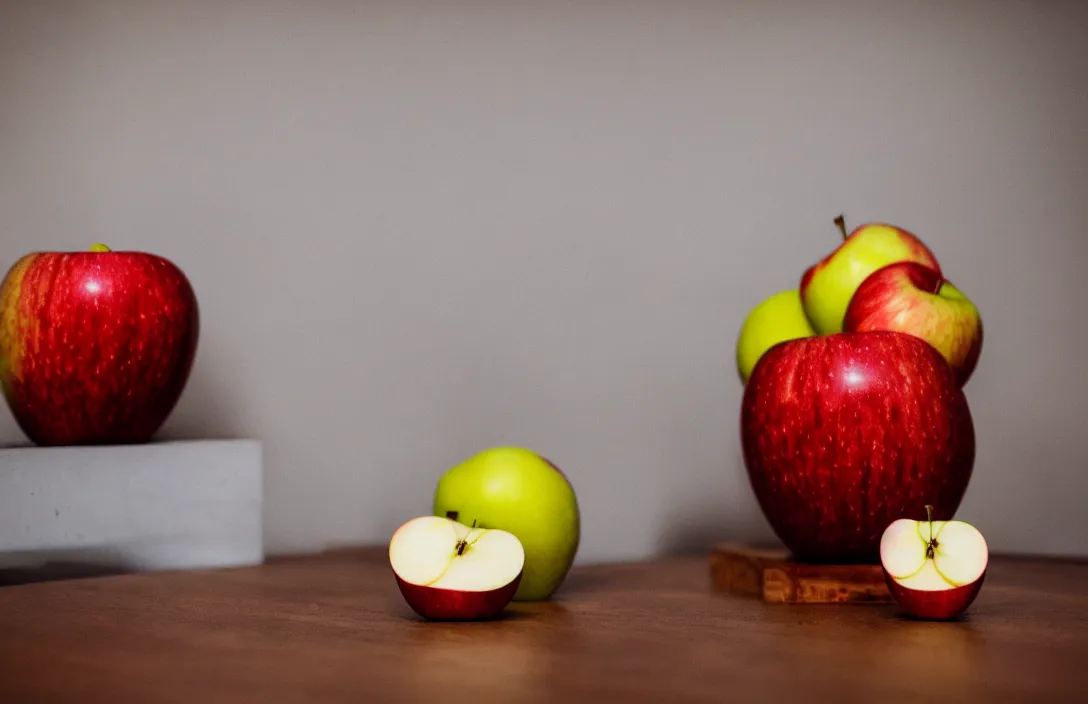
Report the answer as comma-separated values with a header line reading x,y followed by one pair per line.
x,y
334,628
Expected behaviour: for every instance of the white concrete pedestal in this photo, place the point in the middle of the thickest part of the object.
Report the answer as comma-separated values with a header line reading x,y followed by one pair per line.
x,y
158,506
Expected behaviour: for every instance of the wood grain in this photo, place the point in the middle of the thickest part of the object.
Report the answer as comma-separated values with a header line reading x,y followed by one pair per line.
x,y
775,578
334,628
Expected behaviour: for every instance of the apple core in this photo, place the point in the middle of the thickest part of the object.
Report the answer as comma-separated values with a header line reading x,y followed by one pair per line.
x,y
449,571
437,552
933,555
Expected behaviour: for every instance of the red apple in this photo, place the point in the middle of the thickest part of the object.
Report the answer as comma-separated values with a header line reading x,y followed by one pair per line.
x,y
916,299
844,433
449,571
934,569
95,347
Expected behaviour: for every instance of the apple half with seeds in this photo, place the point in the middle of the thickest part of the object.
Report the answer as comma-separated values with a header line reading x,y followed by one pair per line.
x,y
934,569
449,571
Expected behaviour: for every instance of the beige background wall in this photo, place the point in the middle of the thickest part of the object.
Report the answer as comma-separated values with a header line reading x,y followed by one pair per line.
x,y
418,229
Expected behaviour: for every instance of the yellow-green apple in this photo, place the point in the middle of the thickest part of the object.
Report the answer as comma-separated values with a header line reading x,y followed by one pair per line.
x,y
844,433
912,298
95,347
449,571
775,319
519,491
827,286
934,569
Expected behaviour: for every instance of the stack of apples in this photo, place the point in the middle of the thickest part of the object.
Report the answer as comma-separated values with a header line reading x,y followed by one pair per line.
x,y
505,526
854,415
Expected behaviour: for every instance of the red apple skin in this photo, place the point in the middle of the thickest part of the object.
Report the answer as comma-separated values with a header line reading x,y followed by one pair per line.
x,y
932,605
844,433
95,347
450,605
904,297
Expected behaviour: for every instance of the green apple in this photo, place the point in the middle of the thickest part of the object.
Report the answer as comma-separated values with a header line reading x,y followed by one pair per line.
x,y
520,492
776,319
828,285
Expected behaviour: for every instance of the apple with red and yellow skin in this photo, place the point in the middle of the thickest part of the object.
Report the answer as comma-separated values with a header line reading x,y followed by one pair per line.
x,y
95,347
912,298
842,434
828,286
449,571
933,569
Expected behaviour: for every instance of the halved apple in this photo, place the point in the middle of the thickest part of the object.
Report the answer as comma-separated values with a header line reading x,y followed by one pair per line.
x,y
449,571
934,569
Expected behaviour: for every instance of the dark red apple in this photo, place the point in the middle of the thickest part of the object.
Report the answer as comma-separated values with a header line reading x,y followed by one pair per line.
x,y
435,604
95,347
844,433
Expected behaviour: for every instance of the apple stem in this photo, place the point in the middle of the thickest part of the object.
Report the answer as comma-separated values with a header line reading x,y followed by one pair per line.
x,y
462,544
932,544
841,223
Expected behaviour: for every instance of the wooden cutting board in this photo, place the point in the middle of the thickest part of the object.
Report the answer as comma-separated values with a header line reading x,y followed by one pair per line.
x,y
773,576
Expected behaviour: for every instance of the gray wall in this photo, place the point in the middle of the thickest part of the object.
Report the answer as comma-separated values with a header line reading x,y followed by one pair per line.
x,y
420,229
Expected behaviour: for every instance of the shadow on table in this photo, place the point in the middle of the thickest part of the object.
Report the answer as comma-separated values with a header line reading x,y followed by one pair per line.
x,y
52,566
55,572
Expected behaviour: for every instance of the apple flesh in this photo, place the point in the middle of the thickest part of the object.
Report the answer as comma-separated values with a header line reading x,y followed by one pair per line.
x,y
842,434
777,318
828,286
448,571
912,298
934,569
